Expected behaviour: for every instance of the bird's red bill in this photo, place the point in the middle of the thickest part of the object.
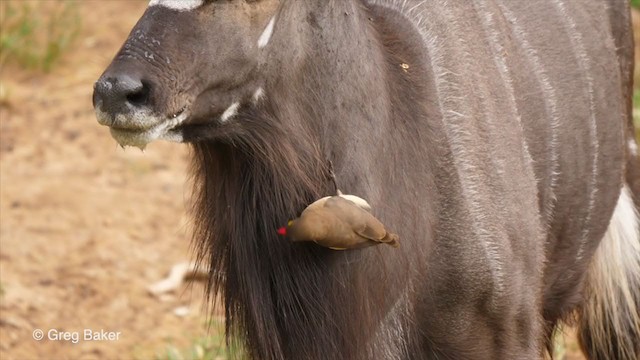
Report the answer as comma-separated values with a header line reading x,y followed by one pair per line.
x,y
282,231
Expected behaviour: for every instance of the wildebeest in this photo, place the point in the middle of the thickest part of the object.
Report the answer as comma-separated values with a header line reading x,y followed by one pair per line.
x,y
493,136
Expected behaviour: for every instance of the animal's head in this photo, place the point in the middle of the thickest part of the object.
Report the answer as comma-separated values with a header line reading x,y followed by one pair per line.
x,y
189,68
187,62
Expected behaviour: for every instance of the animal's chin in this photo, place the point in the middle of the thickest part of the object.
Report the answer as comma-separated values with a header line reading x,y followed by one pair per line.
x,y
141,128
149,131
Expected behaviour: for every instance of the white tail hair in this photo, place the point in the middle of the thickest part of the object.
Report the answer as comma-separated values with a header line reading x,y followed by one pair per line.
x,y
610,319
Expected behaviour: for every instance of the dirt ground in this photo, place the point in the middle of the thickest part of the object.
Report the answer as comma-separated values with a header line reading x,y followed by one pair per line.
x,y
85,226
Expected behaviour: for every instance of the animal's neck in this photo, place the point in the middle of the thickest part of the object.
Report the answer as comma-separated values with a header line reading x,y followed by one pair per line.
x,y
280,295
343,65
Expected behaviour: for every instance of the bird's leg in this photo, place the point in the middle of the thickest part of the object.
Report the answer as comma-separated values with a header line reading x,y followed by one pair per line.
x,y
332,174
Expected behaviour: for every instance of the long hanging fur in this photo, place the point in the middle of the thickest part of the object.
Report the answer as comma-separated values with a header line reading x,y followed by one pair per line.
x,y
609,325
246,186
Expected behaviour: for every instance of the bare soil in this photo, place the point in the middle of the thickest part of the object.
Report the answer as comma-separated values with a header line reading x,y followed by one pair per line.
x,y
85,226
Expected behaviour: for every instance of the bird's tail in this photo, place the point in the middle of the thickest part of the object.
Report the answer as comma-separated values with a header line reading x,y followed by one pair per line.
x,y
391,239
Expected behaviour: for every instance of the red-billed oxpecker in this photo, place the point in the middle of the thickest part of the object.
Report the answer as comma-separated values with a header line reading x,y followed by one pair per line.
x,y
339,222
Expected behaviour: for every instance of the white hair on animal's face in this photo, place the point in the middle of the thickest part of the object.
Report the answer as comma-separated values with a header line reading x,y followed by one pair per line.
x,y
258,95
230,112
180,5
148,127
266,34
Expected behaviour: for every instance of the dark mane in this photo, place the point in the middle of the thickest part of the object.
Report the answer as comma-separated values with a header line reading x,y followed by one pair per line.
x,y
246,189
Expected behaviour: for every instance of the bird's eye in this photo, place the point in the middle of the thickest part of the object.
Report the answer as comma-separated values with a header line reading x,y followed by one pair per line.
x,y
290,223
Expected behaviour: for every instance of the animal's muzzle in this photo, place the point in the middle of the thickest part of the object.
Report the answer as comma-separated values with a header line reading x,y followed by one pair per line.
x,y
124,94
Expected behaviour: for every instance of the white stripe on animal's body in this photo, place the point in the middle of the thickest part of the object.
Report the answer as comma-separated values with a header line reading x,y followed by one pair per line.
x,y
230,112
500,60
577,43
550,99
266,34
180,5
455,115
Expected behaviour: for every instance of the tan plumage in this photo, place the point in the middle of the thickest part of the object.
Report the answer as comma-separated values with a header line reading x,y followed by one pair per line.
x,y
340,222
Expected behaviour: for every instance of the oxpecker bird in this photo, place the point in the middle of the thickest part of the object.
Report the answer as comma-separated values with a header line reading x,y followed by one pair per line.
x,y
339,222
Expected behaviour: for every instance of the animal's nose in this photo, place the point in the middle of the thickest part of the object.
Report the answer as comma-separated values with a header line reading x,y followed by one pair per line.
x,y
120,94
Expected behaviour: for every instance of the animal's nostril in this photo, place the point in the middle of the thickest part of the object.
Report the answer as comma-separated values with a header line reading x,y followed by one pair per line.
x,y
121,94
139,96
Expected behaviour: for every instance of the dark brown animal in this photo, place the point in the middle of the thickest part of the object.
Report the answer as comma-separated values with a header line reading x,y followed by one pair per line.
x,y
495,133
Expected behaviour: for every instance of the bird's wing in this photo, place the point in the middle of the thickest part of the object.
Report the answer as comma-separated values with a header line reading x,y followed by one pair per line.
x,y
372,230
361,222
362,203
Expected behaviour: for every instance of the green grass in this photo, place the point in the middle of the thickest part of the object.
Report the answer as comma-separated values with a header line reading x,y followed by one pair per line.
x,y
35,34
635,3
212,347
